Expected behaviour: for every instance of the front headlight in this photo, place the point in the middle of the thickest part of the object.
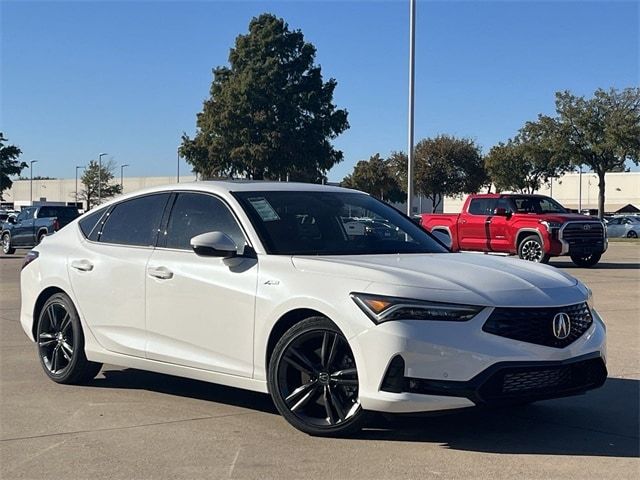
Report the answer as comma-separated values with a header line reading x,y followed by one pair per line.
x,y
551,226
381,308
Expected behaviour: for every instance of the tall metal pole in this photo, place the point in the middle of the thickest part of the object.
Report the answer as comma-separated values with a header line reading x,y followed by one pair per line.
x,y
412,61
122,176
77,167
580,192
178,152
100,177
31,182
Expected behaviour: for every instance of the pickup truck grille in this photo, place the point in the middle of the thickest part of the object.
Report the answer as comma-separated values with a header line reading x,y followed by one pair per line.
x,y
581,231
535,325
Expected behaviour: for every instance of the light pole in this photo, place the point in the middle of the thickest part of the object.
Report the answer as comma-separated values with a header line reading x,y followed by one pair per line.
x,y
31,182
580,192
178,153
412,62
122,176
100,176
77,167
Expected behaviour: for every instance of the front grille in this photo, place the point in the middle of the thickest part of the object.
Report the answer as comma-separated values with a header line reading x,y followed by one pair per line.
x,y
543,382
579,232
535,325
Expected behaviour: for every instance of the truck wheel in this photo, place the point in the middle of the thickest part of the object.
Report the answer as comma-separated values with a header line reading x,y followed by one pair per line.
x,y
586,260
7,249
532,250
41,235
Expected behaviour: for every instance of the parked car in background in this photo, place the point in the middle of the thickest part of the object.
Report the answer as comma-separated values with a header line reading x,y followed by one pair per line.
x,y
534,227
32,224
627,226
264,286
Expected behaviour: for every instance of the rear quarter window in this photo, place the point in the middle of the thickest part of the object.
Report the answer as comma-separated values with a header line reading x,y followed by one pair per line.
x,y
89,222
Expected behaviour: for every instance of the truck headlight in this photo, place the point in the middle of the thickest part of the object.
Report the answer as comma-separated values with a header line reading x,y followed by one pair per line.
x,y
551,226
381,308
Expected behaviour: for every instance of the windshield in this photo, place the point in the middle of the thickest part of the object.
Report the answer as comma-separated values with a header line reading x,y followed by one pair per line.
x,y
537,205
332,223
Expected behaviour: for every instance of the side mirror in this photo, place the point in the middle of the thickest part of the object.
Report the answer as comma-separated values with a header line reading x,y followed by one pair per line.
x,y
11,220
214,244
502,212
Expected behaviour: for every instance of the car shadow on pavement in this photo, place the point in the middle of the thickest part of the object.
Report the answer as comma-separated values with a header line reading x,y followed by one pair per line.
x,y
184,387
603,422
600,266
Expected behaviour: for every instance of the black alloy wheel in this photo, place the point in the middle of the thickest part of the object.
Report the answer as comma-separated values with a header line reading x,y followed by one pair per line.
x,y
313,379
632,234
61,343
7,249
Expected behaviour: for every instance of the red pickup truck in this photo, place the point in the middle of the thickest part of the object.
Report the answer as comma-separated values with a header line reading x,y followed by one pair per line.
x,y
534,227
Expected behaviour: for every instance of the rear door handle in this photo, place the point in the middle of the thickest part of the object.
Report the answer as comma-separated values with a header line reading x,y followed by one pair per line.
x,y
163,273
82,265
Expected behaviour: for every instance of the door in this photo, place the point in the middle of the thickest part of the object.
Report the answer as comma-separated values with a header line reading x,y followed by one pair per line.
x,y
473,227
108,275
200,309
22,231
615,228
499,238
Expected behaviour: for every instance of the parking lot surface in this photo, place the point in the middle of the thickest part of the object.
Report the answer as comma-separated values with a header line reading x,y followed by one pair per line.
x,y
133,424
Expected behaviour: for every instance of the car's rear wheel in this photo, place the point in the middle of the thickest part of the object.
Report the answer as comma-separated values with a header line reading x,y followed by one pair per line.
x,y
532,249
313,379
61,342
41,235
7,249
586,260
632,234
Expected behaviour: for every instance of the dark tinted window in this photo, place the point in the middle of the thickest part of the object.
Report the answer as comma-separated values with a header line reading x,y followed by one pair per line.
x,y
25,214
66,213
504,203
332,223
89,221
482,206
537,205
135,222
196,213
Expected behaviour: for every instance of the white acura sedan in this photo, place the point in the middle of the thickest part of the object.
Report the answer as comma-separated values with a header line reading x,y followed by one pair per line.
x,y
328,299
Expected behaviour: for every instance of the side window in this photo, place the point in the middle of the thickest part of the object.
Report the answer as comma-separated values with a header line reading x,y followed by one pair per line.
x,y
135,222
196,213
89,221
482,206
504,203
25,214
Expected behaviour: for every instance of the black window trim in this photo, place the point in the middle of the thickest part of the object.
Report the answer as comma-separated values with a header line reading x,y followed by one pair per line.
x,y
110,208
161,242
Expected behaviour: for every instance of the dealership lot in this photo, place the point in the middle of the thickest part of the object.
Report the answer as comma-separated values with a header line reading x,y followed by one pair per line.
x,y
132,424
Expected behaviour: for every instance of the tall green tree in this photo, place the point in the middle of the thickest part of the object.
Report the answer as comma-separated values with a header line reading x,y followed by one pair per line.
x,y
91,179
530,160
270,114
444,166
9,164
602,132
375,176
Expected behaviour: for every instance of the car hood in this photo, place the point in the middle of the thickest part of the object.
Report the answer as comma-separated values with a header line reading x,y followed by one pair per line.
x,y
559,217
453,277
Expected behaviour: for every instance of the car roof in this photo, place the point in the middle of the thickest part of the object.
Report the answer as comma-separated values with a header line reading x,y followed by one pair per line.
x,y
224,187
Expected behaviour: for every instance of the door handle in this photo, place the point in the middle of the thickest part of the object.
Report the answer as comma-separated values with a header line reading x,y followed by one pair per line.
x,y
82,265
463,221
163,273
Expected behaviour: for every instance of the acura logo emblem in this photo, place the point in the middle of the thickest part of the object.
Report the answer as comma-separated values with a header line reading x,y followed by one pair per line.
x,y
561,326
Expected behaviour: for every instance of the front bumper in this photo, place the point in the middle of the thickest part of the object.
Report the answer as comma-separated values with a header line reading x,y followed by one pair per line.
x,y
447,365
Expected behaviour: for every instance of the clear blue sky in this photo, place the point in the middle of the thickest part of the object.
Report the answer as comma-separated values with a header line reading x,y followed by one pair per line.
x,y
127,78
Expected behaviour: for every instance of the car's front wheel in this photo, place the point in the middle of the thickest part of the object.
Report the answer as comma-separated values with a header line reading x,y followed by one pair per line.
x,y
532,249
313,379
61,342
7,249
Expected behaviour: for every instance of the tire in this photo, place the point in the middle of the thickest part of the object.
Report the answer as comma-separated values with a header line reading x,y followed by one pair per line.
x,y
586,260
41,235
632,234
60,343
313,380
7,249
532,250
